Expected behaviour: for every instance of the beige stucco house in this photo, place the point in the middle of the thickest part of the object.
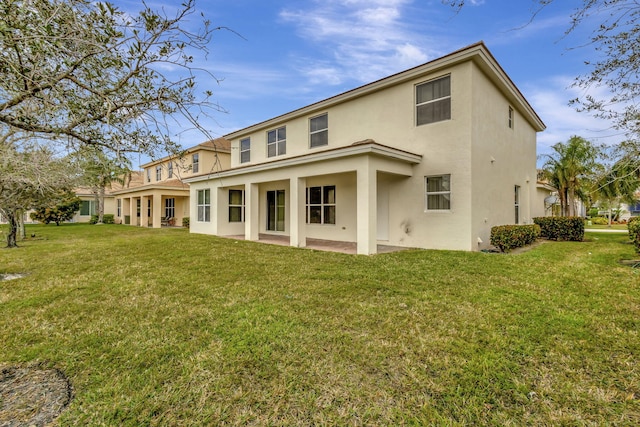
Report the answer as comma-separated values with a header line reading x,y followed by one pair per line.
x,y
162,197
431,157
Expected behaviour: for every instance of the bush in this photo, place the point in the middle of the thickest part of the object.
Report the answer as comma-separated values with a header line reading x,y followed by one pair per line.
x,y
593,212
507,237
63,211
561,228
599,220
106,219
634,231
185,221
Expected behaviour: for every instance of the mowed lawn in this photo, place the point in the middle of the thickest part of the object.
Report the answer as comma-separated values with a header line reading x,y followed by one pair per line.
x,y
161,327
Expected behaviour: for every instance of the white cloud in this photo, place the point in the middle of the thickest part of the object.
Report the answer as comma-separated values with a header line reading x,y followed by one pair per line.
x,y
551,98
363,40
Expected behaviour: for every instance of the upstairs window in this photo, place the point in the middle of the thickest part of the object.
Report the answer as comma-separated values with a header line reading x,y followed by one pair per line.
x,y
148,175
438,194
195,163
245,150
510,118
170,170
277,142
433,101
319,131
158,173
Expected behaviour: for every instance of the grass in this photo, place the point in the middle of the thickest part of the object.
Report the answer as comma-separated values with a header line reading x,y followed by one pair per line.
x,y
160,327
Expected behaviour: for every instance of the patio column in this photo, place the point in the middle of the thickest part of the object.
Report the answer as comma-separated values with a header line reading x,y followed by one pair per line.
x,y
251,211
366,208
144,219
297,217
156,210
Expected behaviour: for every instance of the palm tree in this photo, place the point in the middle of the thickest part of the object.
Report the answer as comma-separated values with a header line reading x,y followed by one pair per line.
x,y
568,170
619,183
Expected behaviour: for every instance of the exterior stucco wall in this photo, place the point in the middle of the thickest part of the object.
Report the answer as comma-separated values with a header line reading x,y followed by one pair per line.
x,y
502,157
109,208
484,157
388,117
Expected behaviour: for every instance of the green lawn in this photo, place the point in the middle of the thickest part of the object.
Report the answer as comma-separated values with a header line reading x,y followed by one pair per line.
x,y
160,327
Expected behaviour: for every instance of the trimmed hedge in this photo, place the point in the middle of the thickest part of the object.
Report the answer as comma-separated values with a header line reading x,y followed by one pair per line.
x,y
507,237
106,219
599,220
634,232
561,228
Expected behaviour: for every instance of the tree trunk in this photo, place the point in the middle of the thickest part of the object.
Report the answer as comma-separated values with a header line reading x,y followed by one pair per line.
x,y
13,228
101,205
21,230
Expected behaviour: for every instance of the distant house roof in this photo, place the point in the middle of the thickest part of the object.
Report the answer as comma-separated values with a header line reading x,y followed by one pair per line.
x,y
134,179
478,53
221,145
170,184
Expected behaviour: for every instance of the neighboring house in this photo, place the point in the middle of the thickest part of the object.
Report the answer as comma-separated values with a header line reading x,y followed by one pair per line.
x,y
431,157
162,198
546,200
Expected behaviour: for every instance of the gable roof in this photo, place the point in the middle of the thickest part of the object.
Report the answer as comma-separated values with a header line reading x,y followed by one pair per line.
x,y
478,53
220,145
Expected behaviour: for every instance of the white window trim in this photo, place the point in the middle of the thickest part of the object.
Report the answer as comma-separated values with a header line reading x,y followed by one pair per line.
x,y
277,142
248,150
416,104
428,193
319,130
195,163
158,173
511,117
204,205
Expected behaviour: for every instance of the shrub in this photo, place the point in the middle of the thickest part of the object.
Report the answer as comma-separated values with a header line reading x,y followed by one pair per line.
x,y
63,211
634,231
561,228
185,221
599,220
507,237
593,212
106,219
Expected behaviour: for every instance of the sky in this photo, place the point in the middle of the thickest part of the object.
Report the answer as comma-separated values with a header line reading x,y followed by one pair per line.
x,y
281,55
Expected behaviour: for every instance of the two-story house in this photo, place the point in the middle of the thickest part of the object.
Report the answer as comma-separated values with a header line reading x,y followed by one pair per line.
x,y
431,157
163,196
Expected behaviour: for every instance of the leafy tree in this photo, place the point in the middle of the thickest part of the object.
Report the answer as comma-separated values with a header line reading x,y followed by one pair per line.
x,y
29,174
79,73
99,172
96,76
569,169
614,38
59,212
620,181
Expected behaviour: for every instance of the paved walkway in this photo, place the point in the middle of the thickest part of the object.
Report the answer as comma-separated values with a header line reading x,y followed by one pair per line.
x,y
605,230
319,244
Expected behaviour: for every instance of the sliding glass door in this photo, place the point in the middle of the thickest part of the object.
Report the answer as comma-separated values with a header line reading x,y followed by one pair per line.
x,y
275,210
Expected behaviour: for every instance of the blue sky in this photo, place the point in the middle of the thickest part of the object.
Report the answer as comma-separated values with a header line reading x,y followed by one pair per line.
x,y
293,53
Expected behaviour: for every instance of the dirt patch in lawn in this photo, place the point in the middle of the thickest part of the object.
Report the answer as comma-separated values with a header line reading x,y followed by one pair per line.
x,y
32,395
11,276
